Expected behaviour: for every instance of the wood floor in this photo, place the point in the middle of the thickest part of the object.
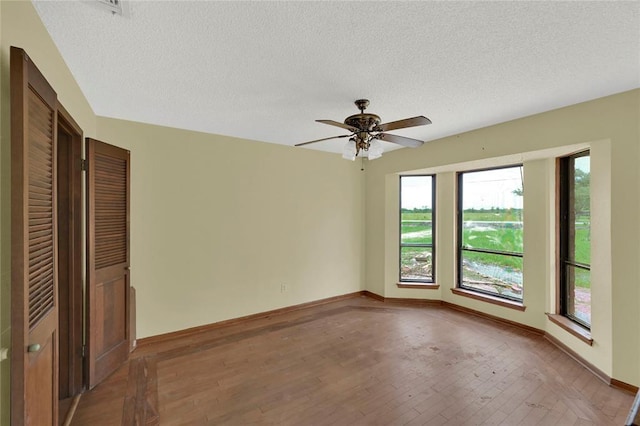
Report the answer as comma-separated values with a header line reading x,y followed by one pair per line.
x,y
355,362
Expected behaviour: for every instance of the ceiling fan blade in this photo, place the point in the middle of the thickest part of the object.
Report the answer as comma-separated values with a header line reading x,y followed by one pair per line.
x,y
400,140
338,124
403,124
323,139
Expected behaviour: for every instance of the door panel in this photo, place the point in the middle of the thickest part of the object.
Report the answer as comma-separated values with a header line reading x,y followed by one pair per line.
x,y
40,367
34,304
111,301
108,259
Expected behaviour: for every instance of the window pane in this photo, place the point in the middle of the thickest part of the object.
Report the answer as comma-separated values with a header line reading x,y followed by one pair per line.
x,y
492,273
496,235
416,228
578,295
416,231
492,209
416,263
575,238
580,241
416,208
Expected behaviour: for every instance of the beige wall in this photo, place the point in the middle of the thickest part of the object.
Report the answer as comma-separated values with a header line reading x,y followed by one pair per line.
x,y
609,127
220,224
5,328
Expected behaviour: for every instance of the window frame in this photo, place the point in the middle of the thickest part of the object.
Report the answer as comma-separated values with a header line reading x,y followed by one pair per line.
x,y
432,246
459,237
566,190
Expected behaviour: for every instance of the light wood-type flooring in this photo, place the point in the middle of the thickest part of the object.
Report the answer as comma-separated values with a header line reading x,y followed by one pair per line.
x,y
357,361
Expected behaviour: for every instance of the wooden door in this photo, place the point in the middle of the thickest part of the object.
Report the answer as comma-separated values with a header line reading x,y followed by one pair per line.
x,y
107,258
34,304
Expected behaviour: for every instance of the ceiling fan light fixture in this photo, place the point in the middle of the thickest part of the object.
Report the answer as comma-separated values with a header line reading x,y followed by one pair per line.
x,y
367,132
350,151
375,149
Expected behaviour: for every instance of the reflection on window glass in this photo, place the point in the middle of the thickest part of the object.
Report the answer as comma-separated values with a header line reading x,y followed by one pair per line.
x,y
579,294
580,249
492,273
575,237
490,231
417,220
416,263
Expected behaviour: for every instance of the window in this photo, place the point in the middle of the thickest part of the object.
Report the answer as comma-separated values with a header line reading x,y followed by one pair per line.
x,y
574,217
417,224
490,232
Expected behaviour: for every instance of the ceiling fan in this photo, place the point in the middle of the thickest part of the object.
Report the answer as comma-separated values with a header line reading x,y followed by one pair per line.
x,y
367,132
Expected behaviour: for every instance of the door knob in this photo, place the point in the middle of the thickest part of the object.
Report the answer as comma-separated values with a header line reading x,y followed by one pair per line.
x,y
35,347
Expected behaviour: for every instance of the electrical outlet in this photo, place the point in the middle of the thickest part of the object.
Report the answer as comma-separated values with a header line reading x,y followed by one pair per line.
x,y
283,288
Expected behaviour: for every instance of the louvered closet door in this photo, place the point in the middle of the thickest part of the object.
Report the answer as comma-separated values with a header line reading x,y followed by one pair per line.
x,y
108,259
34,311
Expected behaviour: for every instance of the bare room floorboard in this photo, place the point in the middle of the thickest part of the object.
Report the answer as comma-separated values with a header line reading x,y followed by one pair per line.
x,y
357,361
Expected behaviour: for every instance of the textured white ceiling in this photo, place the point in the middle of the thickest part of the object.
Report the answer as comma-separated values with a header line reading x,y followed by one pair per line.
x,y
266,70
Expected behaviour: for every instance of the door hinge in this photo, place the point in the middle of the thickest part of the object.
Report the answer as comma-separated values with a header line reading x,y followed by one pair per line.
x,y
84,351
83,165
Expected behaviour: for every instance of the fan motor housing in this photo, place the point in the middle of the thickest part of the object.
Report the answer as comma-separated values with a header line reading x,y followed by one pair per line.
x,y
363,121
